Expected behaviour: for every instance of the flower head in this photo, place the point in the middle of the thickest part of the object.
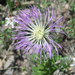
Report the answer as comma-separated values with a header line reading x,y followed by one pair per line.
x,y
10,21
35,32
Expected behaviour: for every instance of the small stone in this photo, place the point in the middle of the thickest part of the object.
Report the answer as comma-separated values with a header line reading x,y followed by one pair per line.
x,y
9,72
9,62
0,5
67,28
56,72
63,10
14,12
52,4
24,73
11,53
67,6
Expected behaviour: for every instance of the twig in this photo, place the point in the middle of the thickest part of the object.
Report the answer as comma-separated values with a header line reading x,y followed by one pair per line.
x,y
27,3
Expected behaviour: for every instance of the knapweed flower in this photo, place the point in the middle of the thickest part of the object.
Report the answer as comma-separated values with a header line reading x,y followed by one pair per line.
x,y
9,21
34,33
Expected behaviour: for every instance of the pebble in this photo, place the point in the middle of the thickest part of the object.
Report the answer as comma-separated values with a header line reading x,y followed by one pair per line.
x,y
9,72
52,4
9,61
56,72
14,12
67,6
24,73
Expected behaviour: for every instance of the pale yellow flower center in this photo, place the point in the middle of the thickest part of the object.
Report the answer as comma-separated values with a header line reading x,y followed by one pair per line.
x,y
38,32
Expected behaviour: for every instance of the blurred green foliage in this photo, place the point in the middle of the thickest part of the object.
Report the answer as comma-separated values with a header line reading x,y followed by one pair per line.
x,y
24,68
48,68
72,6
2,22
5,36
71,29
10,4
64,1
45,4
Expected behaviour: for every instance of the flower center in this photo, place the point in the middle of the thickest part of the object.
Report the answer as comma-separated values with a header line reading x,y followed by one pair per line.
x,y
38,32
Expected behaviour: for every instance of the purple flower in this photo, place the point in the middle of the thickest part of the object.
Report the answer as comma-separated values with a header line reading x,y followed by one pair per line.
x,y
35,32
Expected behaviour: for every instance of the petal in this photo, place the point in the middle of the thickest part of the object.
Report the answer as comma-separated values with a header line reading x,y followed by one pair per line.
x,y
12,24
7,23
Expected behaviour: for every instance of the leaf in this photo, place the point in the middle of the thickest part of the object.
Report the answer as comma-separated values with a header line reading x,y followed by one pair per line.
x,y
66,57
1,35
36,1
48,3
10,4
1,41
34,69
44,2
2,22
24,68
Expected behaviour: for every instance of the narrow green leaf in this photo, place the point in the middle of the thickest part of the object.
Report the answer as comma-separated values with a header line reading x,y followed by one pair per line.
x,y
1,41
10,4
48,3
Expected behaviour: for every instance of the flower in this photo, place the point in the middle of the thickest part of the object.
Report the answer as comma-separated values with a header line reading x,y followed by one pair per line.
x,y
35,32
10,21
73,62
